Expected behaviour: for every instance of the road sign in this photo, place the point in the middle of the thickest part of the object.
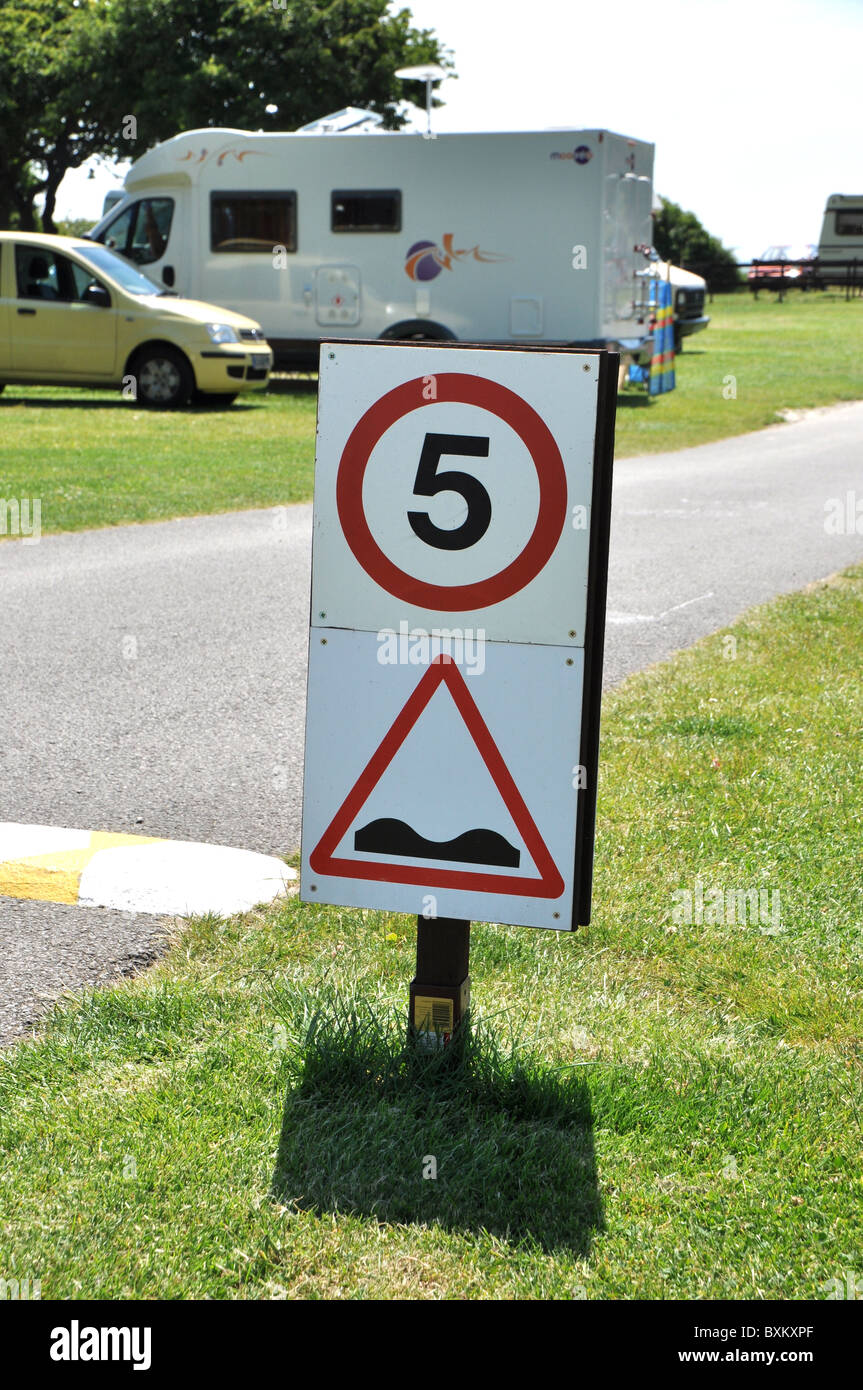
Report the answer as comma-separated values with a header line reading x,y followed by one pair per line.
x,y
460,548
421,783
456,483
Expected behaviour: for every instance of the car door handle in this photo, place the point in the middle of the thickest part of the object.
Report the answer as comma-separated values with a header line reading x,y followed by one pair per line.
x,y
26,311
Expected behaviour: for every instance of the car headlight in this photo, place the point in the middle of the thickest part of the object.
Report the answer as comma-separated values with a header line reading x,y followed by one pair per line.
x,y
222,333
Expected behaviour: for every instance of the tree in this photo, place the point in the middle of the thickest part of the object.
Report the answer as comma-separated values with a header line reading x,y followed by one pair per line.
x,y
680,238
55,94
114,77
208,62
75,226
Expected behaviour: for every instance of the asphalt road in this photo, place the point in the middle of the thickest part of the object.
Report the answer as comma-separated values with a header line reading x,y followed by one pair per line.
x,y
153,677
701,535
51,948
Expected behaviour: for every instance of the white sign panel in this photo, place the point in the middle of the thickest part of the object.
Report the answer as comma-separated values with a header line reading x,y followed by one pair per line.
x,y
455,485
462,498
445,788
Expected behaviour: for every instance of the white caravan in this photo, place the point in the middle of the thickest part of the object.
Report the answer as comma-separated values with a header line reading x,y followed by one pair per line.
x,y
841,238
522,237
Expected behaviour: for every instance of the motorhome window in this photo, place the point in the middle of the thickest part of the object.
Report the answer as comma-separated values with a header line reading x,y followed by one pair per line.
x,y
141,232
371,210
253,222
849,222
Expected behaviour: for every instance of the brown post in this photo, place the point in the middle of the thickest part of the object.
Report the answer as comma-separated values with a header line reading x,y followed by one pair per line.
x,y
440,990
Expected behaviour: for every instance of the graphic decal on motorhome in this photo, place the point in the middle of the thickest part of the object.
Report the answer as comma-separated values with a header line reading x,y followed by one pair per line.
x,y
426,259
190,154
582,154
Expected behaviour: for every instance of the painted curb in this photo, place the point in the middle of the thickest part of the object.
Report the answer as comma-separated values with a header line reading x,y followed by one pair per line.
x,y
135,873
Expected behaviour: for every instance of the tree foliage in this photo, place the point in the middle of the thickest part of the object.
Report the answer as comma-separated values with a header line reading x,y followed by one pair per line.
x,y
73,72
680,238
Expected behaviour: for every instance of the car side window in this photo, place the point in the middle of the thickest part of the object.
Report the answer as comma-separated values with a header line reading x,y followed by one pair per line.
x,y
48,276
37,273
81,280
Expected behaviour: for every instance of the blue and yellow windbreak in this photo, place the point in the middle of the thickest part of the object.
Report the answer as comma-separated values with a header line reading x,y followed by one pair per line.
x,y
662,362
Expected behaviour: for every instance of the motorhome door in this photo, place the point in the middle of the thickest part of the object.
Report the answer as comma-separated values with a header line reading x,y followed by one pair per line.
x,y
338,301
147,233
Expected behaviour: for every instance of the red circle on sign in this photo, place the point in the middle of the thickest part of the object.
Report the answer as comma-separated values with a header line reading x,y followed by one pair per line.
x,y
531,430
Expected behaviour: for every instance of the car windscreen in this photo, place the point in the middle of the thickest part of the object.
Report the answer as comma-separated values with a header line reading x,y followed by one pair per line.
x,y
125,275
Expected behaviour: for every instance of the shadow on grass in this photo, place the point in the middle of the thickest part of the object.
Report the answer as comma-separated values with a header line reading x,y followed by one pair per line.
x,y
511,1137
63,402
630,398
118,403
293,386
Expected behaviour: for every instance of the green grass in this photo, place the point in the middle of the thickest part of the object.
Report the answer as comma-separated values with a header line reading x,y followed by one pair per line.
x,y
95,460
802,353
644,1109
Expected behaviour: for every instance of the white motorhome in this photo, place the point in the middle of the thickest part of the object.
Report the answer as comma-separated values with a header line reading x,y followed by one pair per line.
x,y
522,237
841,239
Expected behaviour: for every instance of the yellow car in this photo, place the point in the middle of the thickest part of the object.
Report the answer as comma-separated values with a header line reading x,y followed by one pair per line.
x,y
73,313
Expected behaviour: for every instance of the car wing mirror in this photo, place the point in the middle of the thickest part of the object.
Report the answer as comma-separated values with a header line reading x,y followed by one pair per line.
x,y
97,295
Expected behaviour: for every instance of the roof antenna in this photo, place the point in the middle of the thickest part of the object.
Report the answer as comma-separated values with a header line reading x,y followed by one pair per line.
x,y
427,73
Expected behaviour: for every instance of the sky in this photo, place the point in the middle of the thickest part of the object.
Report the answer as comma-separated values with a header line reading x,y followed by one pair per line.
x,y
754,107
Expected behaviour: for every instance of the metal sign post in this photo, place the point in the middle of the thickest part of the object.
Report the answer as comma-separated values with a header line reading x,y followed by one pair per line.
x,y
440,990
462,501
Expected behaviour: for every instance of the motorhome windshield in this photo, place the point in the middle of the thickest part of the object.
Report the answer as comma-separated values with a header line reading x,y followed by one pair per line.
x,y
126,276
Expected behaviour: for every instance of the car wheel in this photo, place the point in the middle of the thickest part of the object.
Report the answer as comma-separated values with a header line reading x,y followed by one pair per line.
x,y
164,377
2,387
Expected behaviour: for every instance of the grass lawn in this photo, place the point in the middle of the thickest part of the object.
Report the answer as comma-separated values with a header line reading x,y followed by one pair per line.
x,y
801,353
663,1105
95,460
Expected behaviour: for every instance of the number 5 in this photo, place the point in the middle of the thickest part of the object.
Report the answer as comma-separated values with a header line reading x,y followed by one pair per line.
x,y
429,483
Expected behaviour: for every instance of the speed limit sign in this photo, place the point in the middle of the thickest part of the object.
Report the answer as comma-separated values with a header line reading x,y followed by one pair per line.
x,y
460,547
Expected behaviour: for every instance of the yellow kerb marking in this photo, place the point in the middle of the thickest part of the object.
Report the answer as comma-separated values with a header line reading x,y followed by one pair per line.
x,y
55,877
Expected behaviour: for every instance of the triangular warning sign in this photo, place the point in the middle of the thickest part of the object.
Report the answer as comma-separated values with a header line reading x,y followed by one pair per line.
x,y
442,671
